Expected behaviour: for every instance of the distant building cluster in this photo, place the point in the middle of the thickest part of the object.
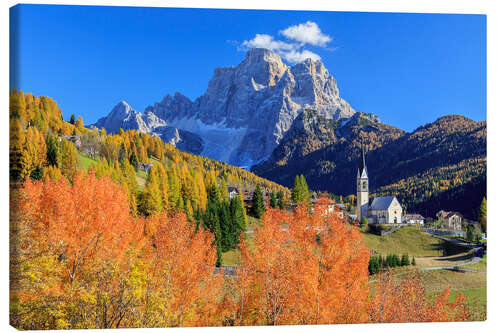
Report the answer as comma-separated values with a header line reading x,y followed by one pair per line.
x,y
388,210
247,195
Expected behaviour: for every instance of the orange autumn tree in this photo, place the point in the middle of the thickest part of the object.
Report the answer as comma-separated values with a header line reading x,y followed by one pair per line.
x,y
73,247
180,288
302,269
81,261
406,301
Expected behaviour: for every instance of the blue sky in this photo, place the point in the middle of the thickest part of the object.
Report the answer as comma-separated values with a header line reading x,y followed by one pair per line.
x,y
408,69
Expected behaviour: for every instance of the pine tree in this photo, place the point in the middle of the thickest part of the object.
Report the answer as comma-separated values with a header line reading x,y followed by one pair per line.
x,y
243,209
238,220
304,190
281,199
397,260
272,201
405,260
133,160
72,119
36,173
53,151
470,233
258,205
213,194
482,214
223,190
225,222
300,190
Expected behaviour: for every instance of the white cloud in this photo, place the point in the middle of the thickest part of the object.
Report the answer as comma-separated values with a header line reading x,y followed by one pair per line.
x,y
291,52
268,42
306,33
298,56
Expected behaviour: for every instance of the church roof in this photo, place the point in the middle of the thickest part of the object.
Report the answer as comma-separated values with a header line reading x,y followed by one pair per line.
x,y
382,203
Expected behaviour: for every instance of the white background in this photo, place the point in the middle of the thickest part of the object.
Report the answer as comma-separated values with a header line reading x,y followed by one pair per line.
x,y
490,8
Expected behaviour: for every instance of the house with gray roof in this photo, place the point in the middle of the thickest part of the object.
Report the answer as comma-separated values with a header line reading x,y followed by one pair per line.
x,y
385,210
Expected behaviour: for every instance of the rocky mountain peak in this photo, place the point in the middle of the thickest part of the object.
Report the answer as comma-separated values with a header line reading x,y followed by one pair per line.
x,y
259,55
247,109
122,116
262,67
122,109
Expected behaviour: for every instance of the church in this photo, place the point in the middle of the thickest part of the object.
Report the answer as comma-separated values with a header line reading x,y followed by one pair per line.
x,y
383,210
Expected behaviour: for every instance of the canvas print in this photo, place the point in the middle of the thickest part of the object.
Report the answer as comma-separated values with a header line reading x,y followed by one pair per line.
x,y
175,167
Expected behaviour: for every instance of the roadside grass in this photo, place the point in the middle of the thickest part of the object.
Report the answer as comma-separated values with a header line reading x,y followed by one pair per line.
x,y
412,241
85,162
252,222
480,266
231,258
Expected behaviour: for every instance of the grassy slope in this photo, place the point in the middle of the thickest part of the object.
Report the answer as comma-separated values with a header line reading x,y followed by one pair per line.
x,y
84,161
472,285
474,295
409,240
141,177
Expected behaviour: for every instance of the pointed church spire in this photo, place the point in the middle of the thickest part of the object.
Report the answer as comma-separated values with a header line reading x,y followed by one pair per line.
x,y
362,170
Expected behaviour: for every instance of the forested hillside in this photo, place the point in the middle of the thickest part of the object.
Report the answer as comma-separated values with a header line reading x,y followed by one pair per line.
x,y
420,167
45,147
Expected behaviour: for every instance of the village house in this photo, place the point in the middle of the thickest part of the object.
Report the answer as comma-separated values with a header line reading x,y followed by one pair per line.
x,y
333,207
413,219
145,166
233,192
385,210
450,220
72,138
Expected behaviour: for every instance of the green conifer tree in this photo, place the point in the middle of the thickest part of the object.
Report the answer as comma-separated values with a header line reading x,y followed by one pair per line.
x,y
281,199
272,200
482,214
53,151
226,227
133,160
258,205
296,190
238,220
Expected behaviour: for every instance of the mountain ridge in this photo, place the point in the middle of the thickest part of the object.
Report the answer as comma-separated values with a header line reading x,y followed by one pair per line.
x,y
251,106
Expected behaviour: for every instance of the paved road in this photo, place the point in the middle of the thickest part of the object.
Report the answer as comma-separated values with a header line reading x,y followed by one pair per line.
x,y
478,254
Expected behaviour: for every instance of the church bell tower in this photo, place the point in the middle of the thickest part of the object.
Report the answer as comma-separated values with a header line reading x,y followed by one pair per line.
x,y
362,182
